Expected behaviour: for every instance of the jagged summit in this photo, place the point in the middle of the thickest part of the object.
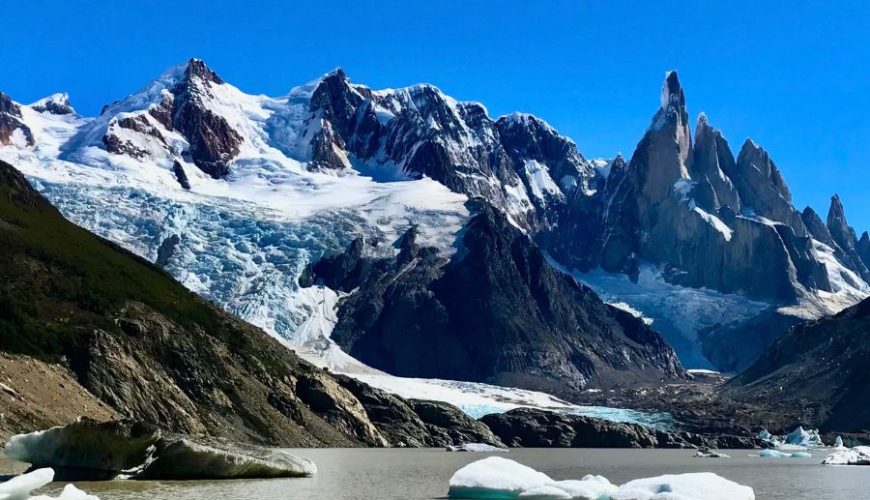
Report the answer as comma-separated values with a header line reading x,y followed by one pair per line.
x,y
197,68
672,110
57,104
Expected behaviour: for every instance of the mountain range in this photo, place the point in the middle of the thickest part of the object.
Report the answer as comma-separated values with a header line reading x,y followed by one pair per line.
x,y
418,222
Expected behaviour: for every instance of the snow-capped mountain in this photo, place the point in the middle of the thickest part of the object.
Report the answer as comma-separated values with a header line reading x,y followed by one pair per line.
x,y
235,194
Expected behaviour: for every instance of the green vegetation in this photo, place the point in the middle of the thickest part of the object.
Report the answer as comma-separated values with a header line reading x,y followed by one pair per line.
x,y
57,280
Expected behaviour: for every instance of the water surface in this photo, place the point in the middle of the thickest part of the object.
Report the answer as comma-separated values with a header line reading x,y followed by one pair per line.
x,y
396,474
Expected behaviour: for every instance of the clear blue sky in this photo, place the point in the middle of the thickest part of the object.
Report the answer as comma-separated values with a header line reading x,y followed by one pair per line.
x,y
792,75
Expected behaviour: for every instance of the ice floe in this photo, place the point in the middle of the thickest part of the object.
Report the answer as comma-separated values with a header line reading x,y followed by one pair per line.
x,y
783,454
20,487
859,455
501,478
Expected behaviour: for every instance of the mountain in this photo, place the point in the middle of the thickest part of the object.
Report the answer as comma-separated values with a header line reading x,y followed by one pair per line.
x,y
236,194
495,311
705,220
124,339
818,370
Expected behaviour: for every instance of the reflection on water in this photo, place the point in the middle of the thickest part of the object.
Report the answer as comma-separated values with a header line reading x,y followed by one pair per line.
x,y
423,474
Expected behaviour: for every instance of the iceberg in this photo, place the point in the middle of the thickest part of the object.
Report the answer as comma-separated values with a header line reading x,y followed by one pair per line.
x,y
20,487
695,486
495,477
501,478
807,439
838,444
783,454
859,455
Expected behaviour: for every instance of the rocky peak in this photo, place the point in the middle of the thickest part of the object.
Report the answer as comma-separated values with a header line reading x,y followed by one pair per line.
x,y
10,121
7,106
763,191
863,248
56,104
673,117
837,219
845,238
712,162
196,68
816,227
527,138
213,142
336,98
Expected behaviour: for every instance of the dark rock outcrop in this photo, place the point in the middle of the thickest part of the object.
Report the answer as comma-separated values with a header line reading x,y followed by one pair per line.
x,y
818,370
213,143
712,161
531,428
184,108
10,121
417,423
762,188
166,249
816,227
863,248
495,311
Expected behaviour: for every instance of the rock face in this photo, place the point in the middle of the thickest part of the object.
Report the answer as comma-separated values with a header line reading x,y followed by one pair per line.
x,y
529,428
844,239
10,121
178,118
519,163
704,216
89,450
863,248
817,370
213,143
495,311
417,423
148,348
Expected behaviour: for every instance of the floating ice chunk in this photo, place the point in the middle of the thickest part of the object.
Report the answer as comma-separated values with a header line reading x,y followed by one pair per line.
x,y
708,453
20,487
859,455
495,477
807,439
783,454
69,492
694,486
499,478
477,448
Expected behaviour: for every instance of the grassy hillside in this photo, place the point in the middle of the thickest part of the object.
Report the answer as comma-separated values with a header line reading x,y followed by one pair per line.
x,y
57,279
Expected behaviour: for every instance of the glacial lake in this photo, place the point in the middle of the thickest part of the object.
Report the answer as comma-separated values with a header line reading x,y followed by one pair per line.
x,y
413,474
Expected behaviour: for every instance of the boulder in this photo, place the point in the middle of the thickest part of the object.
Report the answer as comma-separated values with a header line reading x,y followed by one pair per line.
x,y
95,451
